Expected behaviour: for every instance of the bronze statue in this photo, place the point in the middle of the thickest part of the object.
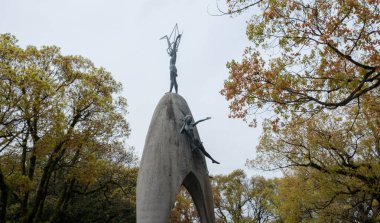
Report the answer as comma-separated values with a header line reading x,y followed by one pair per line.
x,y
172,51
188,129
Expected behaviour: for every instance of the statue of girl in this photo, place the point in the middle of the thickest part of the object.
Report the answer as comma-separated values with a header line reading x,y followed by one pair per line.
x,y
188,129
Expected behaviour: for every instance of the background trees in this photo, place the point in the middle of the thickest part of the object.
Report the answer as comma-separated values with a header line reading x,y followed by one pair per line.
x,y
315,65
184,209
62,133
325,55
237,198
240,199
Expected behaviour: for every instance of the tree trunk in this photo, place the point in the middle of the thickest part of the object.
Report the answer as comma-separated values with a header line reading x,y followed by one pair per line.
x,y
24,203
44,182
25,198
4,197
63,201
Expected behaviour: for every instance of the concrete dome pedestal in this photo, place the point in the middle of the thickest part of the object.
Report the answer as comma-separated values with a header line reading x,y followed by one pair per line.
x,y
167,163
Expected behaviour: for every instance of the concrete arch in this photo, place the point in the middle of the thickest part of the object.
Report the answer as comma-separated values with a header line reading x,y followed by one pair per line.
x,y
200,199
167,163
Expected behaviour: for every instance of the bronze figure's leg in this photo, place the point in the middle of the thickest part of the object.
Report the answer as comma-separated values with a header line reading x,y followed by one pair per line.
x,y
171,86
175,85
202,149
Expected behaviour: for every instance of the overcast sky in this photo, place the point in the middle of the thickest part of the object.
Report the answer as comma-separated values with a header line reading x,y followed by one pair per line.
x,y
123,36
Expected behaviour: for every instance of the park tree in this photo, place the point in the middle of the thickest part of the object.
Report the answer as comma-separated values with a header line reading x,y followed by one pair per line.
x,y
340,152
308,195
62,133
111,199
314,67
184,210
240,199
237,198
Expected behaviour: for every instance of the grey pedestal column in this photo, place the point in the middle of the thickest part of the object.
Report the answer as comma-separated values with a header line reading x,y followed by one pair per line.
x,y
167,163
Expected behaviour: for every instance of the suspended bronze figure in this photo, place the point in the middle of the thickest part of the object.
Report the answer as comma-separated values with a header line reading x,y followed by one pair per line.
x,y
188,129
173,42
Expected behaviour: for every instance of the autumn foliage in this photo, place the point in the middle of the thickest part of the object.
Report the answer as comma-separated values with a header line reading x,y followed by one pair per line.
x,y
314,68
62,132
318,54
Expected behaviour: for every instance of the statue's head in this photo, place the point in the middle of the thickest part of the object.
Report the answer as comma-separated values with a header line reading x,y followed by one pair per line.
x,y
188,119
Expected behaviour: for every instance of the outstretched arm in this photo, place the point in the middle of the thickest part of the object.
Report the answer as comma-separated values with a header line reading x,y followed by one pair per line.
x,y
167,39
176,42
201,120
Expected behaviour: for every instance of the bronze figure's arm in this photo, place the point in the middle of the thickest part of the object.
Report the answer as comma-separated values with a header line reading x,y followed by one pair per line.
x,y
201,121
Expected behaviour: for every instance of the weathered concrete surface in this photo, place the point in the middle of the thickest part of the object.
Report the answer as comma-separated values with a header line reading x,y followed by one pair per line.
x,y
167,163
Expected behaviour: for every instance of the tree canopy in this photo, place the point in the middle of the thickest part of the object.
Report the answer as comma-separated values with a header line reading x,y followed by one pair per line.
x,y
314,67
241,199
62,133
306,55
237,199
